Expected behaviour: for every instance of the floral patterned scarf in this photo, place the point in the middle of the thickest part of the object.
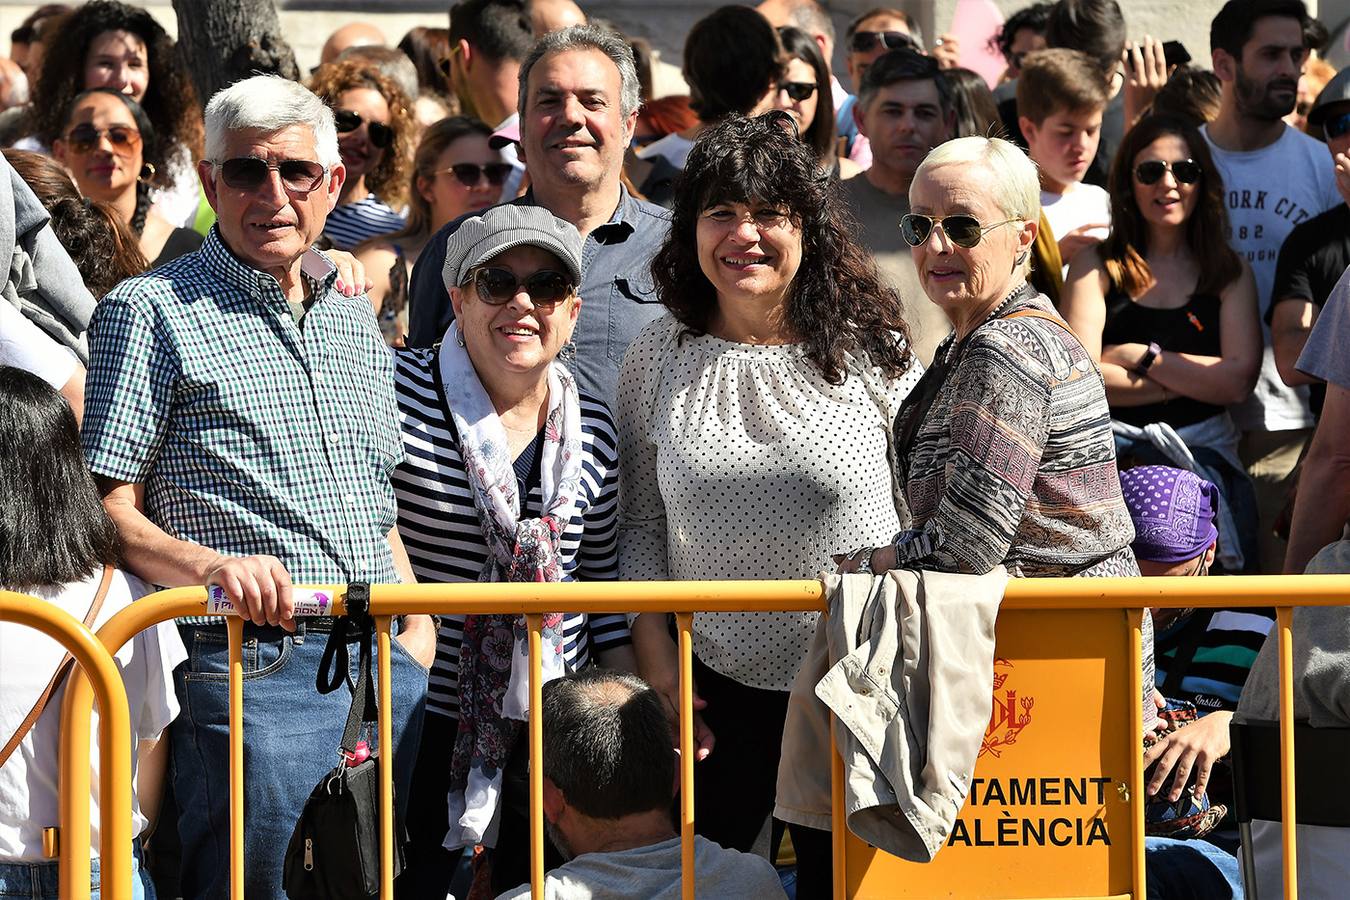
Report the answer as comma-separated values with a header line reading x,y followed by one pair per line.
x,y
494,656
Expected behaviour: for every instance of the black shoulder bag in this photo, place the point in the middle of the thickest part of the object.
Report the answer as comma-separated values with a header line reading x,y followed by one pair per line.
x,y
334,852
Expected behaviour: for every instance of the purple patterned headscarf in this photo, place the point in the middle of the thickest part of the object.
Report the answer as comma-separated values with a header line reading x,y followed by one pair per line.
x,y
1173,512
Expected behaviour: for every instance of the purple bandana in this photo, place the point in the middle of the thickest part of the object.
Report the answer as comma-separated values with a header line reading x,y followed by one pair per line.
x,y
1173,512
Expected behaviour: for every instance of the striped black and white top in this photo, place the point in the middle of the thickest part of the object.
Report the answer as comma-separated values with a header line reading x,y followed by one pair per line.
x,y
351,223
440,528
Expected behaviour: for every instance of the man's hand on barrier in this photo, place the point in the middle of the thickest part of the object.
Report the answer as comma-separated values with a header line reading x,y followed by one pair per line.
x,y
258,586
1196,747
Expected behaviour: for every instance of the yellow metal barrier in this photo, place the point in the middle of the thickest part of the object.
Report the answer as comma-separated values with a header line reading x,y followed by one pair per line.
x,y
684,599
94,666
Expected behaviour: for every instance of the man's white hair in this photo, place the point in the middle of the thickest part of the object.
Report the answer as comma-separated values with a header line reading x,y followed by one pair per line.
x,y
1017,187
269,103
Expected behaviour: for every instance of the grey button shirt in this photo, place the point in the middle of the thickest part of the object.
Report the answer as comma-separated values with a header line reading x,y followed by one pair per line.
x,y
617,296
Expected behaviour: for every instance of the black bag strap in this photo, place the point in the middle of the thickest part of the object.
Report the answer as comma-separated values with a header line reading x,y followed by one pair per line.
x,y
333,667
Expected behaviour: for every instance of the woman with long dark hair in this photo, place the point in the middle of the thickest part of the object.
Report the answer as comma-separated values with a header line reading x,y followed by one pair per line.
x,y
109,44
804,94
770,384
1169,311
455,172
58,544
111,150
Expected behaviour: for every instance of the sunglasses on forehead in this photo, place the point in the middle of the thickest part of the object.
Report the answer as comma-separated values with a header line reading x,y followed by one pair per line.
x,y
84,138
866,41
247,173
381,135
546,287
963,231
1185,171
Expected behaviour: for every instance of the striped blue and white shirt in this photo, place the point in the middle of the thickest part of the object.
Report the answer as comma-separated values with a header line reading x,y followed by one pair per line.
x,y
440,527
351,223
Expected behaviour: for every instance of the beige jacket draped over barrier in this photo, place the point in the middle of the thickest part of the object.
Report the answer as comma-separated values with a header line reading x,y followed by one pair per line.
x,y
905,661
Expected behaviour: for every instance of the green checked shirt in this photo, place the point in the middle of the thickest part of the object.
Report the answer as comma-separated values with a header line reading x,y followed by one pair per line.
x,y
250,433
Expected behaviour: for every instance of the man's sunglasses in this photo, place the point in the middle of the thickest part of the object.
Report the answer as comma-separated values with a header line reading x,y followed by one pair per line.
x,y
1185,171
963,231
248,173
471,174
797,91
1337,126
546,287
381,135
123,138
866,41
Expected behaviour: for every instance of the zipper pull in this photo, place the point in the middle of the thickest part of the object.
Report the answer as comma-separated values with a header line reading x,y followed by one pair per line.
x,y
309,854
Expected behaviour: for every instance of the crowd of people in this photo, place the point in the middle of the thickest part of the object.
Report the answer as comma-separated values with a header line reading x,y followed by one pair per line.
x,y
483,307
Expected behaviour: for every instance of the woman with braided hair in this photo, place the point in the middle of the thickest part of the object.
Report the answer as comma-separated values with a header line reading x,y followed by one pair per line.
x,y
108,144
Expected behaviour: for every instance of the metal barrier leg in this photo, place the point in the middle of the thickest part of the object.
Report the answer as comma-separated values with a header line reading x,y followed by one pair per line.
x,y
684,623
386,762
235,629
838,827
1284,620
1135,618
95,673
535,623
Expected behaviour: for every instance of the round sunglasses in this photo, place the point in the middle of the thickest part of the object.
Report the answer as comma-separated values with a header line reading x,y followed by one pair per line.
x,y
471,174
381,135
797,91
247,173
963,231
1185,171
84,138
546,288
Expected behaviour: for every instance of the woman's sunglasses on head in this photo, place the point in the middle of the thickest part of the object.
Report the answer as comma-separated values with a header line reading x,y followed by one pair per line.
x,y
963,231
471,174
247,173
84,138
1185,171
546,287
381,135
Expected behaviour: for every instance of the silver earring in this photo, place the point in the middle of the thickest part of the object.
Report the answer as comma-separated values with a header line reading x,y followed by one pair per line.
x,y
460,340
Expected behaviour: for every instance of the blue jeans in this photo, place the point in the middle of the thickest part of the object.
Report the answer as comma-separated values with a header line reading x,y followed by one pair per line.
x,y
291,736
1190,870
38,881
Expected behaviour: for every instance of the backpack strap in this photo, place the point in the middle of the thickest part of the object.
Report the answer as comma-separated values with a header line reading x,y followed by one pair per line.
x,y
67,662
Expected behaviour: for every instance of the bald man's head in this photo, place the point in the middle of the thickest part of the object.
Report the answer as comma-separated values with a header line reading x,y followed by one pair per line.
x,y
808,15
555,15
353,34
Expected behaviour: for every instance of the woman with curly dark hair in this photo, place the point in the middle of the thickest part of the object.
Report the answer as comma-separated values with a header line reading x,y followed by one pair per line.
x,y
375,134
109,44
768,389
106,143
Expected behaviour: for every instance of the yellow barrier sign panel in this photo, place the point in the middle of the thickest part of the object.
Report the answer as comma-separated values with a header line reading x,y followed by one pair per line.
x,y
1048,812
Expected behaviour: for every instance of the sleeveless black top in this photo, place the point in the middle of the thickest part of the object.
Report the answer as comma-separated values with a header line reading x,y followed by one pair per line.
x,y
1193,328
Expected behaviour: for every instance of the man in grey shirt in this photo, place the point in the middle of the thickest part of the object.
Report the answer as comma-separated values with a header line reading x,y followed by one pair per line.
x,y
609,776
903,108
578,106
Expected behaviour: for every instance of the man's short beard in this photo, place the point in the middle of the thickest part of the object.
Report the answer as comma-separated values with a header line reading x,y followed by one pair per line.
x,y
1254,100
559,842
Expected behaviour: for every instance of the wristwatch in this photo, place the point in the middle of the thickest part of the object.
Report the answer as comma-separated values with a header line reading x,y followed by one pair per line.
x,y
865,561
1150,357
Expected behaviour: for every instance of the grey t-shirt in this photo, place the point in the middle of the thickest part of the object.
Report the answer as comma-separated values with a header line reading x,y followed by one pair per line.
x,y
653,873
879,215
1324,354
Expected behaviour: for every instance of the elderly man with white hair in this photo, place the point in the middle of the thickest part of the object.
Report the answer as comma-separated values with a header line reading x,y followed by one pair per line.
x,y
241,421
